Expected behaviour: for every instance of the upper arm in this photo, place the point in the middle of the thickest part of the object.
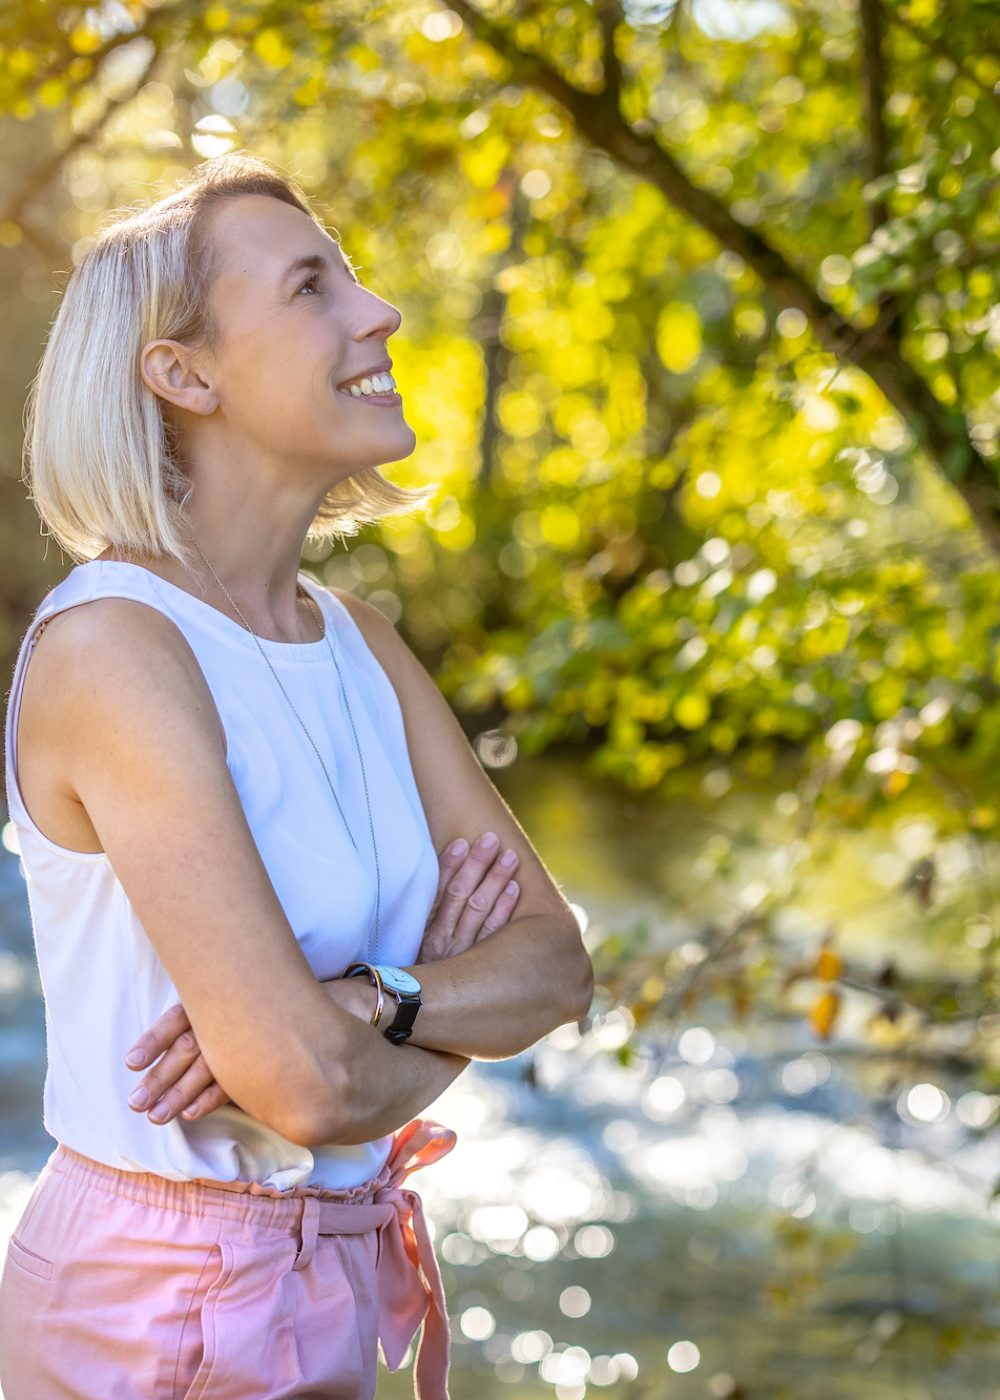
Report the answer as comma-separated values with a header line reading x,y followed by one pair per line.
x,y
458,796
141,746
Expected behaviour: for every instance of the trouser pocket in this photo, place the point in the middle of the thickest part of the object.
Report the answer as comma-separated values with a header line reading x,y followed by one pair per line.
x,y
198,1348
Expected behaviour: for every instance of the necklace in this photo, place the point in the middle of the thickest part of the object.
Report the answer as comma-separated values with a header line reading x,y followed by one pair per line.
x,y
372,951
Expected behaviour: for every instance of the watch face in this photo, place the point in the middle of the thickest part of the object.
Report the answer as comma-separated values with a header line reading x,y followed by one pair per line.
x,y
398,980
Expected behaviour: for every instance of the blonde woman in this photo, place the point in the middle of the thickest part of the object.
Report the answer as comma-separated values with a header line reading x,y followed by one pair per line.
x,y
230,784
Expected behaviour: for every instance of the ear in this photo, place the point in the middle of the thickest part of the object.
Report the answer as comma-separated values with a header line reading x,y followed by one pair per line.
x,y
170,370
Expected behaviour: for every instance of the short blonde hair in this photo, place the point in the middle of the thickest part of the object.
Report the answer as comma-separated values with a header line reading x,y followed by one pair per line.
x,y
101,457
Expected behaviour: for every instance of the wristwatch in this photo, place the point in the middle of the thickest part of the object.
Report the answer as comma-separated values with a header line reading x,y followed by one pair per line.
x,y
404,987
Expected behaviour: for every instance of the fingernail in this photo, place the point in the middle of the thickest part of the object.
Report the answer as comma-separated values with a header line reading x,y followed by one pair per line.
x,y
459,847
158,1114
512,887
134,1058
508,858
488,840
139,1098
191,1112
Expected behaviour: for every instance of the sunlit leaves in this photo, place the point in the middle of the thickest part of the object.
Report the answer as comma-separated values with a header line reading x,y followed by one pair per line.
x,y
678,336
270,46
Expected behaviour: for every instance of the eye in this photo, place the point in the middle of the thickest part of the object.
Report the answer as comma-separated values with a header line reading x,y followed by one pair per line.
x,y
308,282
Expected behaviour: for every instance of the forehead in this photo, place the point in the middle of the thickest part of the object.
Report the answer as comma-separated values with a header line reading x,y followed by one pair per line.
x,y
258,237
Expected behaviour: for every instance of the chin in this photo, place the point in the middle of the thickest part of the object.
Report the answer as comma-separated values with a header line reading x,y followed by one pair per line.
x,y
406,442
384,458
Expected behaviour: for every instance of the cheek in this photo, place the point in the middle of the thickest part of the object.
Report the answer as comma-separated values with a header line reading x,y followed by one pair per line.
x,y
289,379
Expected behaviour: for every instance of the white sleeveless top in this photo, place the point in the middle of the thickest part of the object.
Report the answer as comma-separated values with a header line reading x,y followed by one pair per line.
x,y
102,981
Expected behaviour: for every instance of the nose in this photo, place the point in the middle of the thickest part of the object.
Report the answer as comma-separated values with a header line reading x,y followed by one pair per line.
x,y
381,318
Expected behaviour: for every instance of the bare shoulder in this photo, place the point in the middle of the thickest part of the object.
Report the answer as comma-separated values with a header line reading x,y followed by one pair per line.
x,y
105,647
111,624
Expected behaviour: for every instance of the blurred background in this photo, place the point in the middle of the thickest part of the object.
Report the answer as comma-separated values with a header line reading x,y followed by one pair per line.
x,y
700,339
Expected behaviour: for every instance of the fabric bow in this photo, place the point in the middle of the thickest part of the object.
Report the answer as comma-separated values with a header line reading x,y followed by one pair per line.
x,y
409,1281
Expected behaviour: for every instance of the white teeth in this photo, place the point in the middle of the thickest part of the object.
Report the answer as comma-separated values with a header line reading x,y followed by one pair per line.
x,y
375,384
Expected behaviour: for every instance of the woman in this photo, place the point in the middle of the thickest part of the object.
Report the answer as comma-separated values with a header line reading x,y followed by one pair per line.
x,y
229,800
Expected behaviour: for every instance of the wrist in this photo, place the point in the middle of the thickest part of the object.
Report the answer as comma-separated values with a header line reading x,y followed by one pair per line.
x,y
354,995
392,983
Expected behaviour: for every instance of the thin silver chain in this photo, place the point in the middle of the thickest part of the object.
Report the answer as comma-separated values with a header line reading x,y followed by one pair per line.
x,y
372,952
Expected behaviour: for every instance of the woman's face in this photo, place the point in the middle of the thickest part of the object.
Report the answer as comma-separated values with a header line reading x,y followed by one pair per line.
x,y
290,335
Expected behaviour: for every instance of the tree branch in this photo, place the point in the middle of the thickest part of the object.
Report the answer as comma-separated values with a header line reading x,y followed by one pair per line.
x,y
609,16
39,178
873,76
935,44
941,430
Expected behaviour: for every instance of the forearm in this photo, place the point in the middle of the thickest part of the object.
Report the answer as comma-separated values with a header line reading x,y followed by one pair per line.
x,y
381,1086
501,995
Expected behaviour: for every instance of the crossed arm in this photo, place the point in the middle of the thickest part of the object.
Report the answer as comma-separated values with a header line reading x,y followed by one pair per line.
x,y
490,1001
472,903
507,991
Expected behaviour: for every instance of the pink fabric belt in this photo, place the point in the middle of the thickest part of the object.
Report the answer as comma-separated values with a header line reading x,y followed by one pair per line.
x,y
409,1280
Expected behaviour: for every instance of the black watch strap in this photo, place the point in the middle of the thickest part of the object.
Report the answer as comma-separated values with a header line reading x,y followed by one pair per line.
x,y
406,1014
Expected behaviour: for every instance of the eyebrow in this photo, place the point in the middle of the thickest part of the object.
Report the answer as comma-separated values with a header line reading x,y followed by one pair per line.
x,y
316,261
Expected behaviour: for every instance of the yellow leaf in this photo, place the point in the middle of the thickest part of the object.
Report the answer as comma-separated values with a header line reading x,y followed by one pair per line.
x,y
51,93
823,1015
518,695
886,1032
310,92
895,783
84,40
828,965
21,63
271,48
363,57
691,710
678,336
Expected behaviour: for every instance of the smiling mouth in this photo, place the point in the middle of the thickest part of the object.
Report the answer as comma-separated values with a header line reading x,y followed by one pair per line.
x,y
393,397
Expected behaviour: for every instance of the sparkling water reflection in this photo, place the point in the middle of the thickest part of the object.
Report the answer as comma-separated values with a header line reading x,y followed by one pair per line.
x,y
729,1209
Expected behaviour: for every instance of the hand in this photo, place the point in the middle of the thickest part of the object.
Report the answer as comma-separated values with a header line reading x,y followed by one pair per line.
x,y
472,901
181,1079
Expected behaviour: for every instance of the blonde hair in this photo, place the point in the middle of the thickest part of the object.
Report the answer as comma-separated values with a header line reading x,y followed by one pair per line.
x,y
101,457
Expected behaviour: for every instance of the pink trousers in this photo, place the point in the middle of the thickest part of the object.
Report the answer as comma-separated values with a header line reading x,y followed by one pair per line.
x,y
123,1285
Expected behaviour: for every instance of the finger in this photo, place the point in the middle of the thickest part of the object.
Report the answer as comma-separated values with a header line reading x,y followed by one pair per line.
x,y
501,911
482,899
439,940
162,1033
449,861
210,1099
186,1089
468,877
166,1072
435,948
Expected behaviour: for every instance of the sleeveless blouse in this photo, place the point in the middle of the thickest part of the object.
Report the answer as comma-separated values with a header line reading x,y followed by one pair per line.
x,y
102,981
